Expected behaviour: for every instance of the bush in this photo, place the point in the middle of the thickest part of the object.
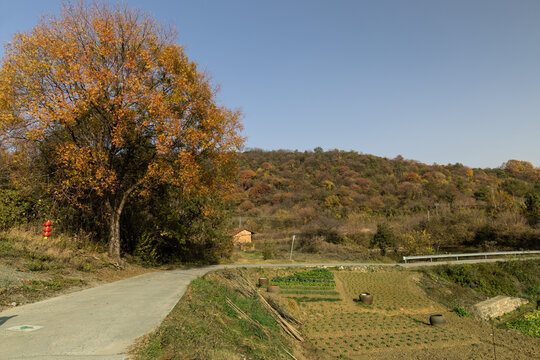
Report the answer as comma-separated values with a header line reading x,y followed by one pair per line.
x,y
528,325
460,311
328,235
268,250
383,238
169,227
312,245
14,208
500,278
418,243
148,250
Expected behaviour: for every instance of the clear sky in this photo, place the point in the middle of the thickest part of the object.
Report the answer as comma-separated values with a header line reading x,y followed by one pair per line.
x,y
436,81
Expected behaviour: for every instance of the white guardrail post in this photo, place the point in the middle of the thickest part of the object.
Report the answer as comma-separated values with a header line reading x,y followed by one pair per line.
x,y
457,256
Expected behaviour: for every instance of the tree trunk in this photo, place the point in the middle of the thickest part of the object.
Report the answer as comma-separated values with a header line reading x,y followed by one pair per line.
x,y
114,234
114,224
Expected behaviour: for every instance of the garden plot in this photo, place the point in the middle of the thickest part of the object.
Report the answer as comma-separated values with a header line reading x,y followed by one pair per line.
x,y
393,290
309,286
396,325
345,328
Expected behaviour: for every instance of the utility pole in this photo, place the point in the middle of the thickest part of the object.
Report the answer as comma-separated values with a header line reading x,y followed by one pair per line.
x,y
292,246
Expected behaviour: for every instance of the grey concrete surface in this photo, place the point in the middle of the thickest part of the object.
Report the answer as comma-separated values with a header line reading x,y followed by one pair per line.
x,y
103,322
96,323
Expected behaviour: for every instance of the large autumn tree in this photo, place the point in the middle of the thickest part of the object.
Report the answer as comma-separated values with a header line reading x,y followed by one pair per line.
x,y
117,107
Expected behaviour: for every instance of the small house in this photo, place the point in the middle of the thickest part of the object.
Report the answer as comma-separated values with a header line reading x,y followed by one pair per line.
x,y
242,239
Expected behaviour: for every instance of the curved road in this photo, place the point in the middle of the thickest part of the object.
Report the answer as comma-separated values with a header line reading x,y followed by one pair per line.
x,y
103,322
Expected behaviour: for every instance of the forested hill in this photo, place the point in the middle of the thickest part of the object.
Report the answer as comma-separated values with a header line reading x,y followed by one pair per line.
x,y
290,189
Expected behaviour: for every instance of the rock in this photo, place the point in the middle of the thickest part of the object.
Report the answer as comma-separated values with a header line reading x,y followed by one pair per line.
x,y
497,306
362,269
14,304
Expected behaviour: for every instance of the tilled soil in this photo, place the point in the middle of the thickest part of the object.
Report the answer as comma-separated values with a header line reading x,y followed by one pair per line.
x,y
396,325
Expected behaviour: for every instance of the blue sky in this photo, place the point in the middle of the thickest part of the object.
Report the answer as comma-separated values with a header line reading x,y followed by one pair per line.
x,y
436,81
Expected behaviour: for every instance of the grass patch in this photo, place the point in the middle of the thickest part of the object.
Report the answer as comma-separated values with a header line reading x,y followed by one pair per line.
x,y
62,259
512,278
204,326
56,283
309,292
529,324
313,299
460,311
38,266
533,290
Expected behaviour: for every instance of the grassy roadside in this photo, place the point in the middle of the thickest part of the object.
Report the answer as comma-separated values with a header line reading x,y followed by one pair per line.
x,y
32,268
461,286
204,325
512,278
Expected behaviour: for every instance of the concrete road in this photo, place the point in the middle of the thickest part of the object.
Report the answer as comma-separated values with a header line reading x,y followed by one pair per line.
x,y
96,323
103,322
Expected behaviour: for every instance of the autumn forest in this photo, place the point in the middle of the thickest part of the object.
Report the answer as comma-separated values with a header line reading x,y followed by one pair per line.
x,y
338,200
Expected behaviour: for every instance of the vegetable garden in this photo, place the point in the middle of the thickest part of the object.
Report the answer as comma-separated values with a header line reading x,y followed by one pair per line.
x,y
397,321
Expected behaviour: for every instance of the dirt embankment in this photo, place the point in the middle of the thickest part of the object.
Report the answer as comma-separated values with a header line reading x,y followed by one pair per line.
x,y
32,269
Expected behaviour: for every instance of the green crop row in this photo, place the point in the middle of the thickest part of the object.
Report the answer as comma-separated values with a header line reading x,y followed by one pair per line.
x,y
322,274
313,299
288,283
318,276
310,291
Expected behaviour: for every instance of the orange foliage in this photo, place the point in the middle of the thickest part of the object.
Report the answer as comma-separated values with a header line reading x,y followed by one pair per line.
x,y
121,103
521,169
412,176
109,77
258,189
245,177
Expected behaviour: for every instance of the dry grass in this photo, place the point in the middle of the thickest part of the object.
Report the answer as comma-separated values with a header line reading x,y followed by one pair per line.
x,y
32,268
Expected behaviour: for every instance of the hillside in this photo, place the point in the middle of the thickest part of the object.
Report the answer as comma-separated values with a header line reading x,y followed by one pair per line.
x,y
342,196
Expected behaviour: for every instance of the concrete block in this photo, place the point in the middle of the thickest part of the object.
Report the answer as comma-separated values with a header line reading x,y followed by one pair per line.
x,y
497,306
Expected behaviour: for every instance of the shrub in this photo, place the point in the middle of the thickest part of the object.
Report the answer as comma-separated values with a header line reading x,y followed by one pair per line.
x,y
500,278
529,324
328,235
418,243
268,250
14,208
460,311
148,250
311,244
383,238
169,227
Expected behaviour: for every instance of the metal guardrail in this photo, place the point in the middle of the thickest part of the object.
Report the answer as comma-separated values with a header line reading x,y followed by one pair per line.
x,y
457,256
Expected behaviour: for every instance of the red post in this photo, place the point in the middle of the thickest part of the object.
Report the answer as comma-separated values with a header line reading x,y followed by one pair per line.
x,y
47,228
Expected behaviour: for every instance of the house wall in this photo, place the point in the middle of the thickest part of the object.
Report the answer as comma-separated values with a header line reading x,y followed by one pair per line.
x,y
243,237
